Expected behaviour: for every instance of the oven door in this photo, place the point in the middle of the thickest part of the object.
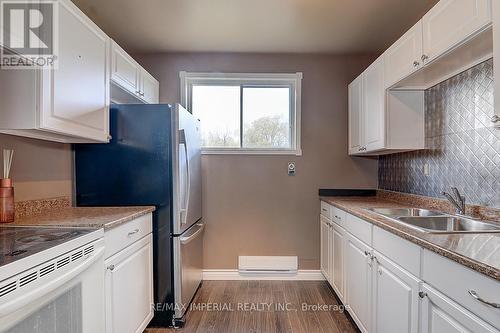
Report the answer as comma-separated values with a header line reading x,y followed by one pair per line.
x,y
65,294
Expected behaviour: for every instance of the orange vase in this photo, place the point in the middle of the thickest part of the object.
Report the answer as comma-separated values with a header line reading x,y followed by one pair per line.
x,y
7,212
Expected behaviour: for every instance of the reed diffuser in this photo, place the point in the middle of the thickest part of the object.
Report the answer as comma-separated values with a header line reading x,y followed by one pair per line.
x,y
7,212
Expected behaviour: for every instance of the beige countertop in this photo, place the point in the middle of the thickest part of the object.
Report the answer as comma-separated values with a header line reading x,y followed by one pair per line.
x,y
90,217
480,252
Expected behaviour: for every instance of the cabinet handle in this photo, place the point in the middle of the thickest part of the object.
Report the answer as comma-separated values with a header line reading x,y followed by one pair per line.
x,y
416,63
111,267
425,57
495,119
379,271
133,232
367,253
422,294
141,93
372,257
477,297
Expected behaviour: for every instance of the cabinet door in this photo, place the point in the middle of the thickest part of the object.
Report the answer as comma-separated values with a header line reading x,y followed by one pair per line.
x,y
395,298
338,261
331,254
129,288
75,96
449,22
358,280
150,88
404,56
355,109
124,70
325,229
439,314
373,115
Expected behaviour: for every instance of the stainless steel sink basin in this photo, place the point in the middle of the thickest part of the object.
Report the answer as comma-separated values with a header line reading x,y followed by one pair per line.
x,y
397,212
449,224
435,222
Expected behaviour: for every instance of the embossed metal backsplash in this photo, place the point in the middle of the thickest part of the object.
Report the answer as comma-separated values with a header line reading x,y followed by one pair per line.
x,y
463,149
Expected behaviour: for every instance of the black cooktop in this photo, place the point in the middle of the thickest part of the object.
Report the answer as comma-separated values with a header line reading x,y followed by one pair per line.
x,y
20,242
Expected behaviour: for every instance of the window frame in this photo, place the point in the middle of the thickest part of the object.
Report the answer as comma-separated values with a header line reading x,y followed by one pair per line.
x,y
260,80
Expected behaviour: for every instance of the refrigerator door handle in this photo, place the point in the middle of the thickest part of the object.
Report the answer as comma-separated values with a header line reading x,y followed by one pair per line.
x,y
183,210
188,238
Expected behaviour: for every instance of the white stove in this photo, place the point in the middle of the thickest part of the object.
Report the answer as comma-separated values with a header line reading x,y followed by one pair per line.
x,y
51,279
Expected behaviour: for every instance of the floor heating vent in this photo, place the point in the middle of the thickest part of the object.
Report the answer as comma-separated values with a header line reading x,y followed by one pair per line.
x,y
267,264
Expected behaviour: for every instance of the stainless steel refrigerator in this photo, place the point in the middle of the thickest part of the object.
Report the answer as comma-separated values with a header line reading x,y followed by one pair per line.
x,y
153,159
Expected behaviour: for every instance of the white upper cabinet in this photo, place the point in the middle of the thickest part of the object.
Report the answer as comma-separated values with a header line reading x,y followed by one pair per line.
x,y
78,89
355,109
450,22
380,121
404,56
150,88
452,37
373,115
131,82
124,69
69,103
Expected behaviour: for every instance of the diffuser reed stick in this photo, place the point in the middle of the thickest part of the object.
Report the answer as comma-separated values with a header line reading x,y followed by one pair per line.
x,y
8,155
7,213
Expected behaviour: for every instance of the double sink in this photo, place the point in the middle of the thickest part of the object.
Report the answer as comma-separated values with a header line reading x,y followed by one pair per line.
x,y
435,222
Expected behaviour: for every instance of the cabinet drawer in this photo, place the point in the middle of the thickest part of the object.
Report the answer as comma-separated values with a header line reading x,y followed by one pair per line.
x,y
338,215
359,228
122,236
456,281
404,253
326,210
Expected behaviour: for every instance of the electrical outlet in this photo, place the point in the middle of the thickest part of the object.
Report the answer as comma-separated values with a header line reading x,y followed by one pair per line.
x,y
291,168
427,169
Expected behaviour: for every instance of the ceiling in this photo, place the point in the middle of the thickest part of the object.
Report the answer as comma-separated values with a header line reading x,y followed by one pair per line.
x,y
298,26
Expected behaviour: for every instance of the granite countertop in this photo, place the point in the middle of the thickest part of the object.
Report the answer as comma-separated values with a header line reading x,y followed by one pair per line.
x,y
480,252
89,217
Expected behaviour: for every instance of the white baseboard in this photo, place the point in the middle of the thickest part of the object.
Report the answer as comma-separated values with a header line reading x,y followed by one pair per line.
x,y
234,274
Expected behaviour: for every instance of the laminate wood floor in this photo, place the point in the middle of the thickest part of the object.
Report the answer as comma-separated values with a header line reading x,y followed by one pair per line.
x,y
264,307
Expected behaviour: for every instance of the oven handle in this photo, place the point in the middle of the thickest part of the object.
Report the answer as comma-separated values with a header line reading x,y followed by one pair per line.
x,y
51,285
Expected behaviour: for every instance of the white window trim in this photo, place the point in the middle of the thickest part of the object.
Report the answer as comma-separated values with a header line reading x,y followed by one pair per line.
x,y
187,79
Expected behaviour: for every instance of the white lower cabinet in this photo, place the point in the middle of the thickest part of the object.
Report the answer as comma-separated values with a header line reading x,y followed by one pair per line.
x,y
358,271
325,255
338,238
395,297
439,314
129,278
377,276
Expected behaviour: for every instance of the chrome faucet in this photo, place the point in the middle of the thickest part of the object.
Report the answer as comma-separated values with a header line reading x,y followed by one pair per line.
x,y
456,200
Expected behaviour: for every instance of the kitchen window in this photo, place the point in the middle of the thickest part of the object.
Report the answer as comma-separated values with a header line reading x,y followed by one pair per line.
x,y
245,113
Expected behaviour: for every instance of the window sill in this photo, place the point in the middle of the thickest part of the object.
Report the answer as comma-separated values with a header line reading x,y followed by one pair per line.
x,y
294,152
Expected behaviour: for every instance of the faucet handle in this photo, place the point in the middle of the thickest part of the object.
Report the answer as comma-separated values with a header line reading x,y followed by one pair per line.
x,y
456,193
